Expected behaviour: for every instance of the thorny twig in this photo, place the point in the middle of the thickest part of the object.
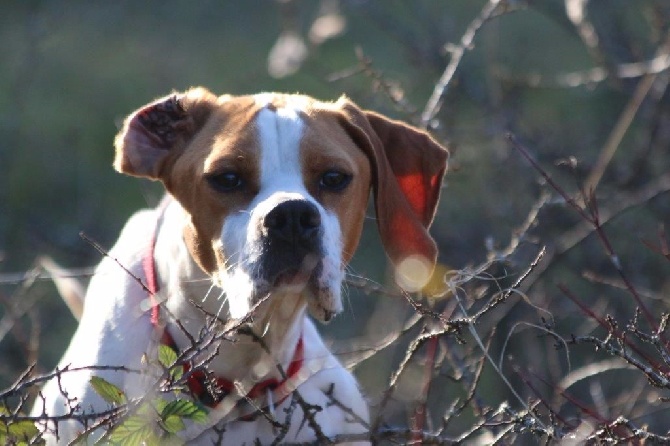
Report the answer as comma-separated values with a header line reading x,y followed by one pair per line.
x,y
590,214
444,330
391,91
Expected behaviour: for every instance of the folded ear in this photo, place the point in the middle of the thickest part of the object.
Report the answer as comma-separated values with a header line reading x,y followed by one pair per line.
x,y
407,167
153,132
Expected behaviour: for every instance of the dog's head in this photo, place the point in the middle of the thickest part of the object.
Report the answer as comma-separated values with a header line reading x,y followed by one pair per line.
x,y
276,188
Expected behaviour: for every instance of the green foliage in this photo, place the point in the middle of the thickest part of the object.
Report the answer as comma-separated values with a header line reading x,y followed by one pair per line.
x,y
173,424
134,431
185,409
154,422
167,357
18,432
108,391
70,76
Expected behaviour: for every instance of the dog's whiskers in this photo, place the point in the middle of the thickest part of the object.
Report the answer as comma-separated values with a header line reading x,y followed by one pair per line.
x,y
224,299
266,328
228,265
209,291
204,279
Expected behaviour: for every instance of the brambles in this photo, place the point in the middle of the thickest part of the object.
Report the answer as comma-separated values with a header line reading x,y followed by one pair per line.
x,y
548,320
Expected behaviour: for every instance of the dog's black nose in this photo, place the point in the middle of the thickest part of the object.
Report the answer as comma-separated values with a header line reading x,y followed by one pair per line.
x,y
293,221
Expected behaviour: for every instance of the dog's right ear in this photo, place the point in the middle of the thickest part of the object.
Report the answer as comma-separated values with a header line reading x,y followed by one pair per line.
x,y
159,129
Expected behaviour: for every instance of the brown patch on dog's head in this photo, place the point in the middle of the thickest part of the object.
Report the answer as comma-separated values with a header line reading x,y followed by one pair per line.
x,y
196,143
182,140
326,145
155,132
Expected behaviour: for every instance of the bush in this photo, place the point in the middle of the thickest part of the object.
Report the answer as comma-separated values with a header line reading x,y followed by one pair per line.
x,y
547,319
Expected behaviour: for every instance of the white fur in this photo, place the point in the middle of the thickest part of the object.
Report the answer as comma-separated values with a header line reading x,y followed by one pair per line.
x,y
280,134
115,329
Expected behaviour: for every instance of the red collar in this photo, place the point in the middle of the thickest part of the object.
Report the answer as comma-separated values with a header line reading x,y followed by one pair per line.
x,y
209,391
149,262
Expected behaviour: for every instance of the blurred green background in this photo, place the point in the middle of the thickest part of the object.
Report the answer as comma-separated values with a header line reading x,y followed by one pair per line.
x,y
71,71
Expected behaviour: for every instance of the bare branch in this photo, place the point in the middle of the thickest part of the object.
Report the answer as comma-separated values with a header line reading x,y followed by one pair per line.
x,y
457,52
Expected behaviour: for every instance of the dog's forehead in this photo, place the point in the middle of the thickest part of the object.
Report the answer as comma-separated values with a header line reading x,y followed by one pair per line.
x,y
270,128
277,101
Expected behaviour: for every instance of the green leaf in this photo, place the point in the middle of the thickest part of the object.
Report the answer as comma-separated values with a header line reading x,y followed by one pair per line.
x,y
173,424
166,356
18,432
23,430
181,408
200,416
134,431
177,372
108,391
158,405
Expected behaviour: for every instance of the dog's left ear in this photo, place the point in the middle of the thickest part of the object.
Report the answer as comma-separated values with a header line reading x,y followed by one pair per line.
x,y
407,167
151,134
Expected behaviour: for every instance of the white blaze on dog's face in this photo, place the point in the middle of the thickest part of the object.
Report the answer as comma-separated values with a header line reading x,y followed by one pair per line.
x,y
300,219
275,188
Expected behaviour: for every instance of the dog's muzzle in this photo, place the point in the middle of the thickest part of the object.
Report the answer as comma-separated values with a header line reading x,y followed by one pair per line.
x,y
291,236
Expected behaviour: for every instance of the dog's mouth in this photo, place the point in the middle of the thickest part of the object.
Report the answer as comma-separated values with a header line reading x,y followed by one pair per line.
x,y
306,280
291,278
297,279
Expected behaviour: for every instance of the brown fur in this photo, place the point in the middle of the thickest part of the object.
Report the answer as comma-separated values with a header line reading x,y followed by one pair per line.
x,y
403,165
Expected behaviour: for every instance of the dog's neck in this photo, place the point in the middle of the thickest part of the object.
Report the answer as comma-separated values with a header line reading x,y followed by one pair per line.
x,y
276,325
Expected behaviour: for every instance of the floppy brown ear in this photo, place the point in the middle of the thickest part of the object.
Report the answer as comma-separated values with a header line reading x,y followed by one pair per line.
x,y
158,129
407,167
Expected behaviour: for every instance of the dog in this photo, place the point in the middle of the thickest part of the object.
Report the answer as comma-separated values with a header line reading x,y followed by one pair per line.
x,y
266,198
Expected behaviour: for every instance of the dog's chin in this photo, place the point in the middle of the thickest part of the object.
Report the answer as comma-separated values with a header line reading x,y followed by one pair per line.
x,y
323,310
317,286
320,291
291,281
323,300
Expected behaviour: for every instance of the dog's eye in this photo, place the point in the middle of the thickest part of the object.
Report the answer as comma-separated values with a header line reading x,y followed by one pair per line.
x,y
334,181
225,181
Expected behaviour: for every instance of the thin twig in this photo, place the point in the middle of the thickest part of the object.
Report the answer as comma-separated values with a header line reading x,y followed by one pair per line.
x,y
478,340
575,79
434,102
592,215
620,128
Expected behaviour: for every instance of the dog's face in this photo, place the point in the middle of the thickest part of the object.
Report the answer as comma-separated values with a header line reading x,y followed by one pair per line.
x,y
275,188
269,184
